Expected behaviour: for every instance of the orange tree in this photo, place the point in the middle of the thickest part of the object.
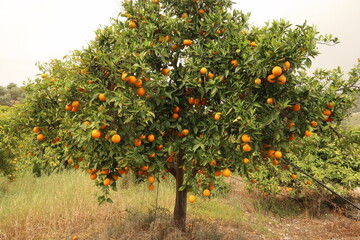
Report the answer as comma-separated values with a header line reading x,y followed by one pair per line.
x,y
184,87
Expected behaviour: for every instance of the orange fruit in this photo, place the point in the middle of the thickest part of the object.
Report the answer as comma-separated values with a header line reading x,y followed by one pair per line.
x,y
217,116
246,148
277,154
137,142
159,147
201,11
141,91
138,83
74,238
253,44
234,62
281,79
226,172
151,187
308,182
103,126
43,75
203,71
185,132
68,107
329,104
276,71
245,138
87,123
165,71
293,176
211,75
151,179
102,97
191,101
271,153
107,182
187,42
175,116
292,137
176,109
40,137
253,180
270,101
131,80
308,133
192,199
217,173
95,133
291,124
132,24
36,129
116,138
93,176
246,160
206,192
151,138
287,65
327,112
313,124
174,47
296,107
75,104
257,81
275,162
271,78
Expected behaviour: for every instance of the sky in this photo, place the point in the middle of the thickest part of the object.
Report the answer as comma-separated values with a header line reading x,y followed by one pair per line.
x,y
34,31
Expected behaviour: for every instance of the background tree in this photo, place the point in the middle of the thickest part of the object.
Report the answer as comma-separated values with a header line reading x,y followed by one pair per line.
x,y
11,94
187,88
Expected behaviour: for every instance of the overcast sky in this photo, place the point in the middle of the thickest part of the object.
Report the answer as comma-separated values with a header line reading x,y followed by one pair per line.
x,y
39,30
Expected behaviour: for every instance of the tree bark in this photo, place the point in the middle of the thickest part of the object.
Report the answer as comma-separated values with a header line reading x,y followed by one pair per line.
x,y
180,201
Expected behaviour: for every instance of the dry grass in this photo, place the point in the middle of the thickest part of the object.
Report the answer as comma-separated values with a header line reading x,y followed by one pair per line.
x,y
64,205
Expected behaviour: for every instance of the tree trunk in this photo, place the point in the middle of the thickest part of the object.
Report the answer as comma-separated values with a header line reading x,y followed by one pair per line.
x,y
180,202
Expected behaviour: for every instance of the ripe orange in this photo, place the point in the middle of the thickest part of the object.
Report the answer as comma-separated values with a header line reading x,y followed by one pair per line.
x,y
313,124
253,44
257,81
137,142
185,132
151,187
174,47
192,199
68,107
296,107
291,124
187,42
175,116
246,160
159,147
151,138
275,162
74,238
103,126
43,75
234,62
246,148
277,154
281,79
217,116
287,65
329,104
36,129
40,137
271,153
270,101
116,138
151,179
226,172
141,91
276,71
131,80
327,112
245,138
211,75
201,11
95,133
191,101
253,180
308,182
203,71
165,71
75,104
308,133
176,109
102,97
293,176
271,78
93,176
292,137
206,192
138,83
107,182
132,24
